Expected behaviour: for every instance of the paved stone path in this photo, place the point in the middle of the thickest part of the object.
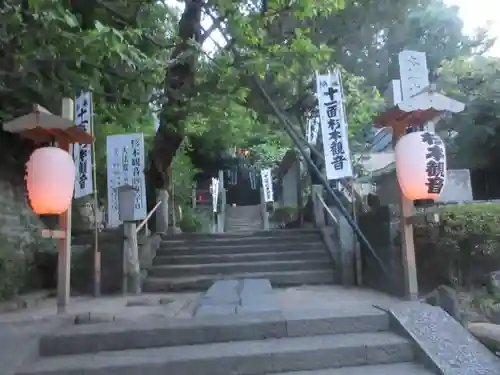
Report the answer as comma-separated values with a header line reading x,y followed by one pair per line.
x,y
238,297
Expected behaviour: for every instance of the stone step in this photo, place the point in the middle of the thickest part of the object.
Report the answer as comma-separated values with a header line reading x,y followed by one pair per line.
x,y
240,357
113,336
268,233
237,248
239,267
232,238
283,278
244,257
406,368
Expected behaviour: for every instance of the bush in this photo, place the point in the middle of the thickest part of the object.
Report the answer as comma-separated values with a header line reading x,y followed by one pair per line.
x,y
14,268
284,215
462,248
191,221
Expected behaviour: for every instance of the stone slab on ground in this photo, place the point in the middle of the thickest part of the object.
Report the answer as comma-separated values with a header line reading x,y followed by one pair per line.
x,y
205,310
238,297
488,334
19,342
253,287
223,291
84,310
444,343
407,368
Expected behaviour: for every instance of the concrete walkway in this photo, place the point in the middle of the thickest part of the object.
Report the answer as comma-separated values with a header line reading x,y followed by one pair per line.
x,y
183,305
107,308
20,331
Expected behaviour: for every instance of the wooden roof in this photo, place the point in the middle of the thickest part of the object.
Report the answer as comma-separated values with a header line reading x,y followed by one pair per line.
x,y
417,111
42,126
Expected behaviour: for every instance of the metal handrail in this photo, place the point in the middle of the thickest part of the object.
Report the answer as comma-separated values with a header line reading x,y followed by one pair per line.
x,y
153,210
327,209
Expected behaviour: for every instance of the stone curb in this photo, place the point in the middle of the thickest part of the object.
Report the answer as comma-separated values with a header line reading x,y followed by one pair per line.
x,y
24,302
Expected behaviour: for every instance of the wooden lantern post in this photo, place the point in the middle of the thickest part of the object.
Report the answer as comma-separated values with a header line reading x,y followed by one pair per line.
x,y
414,103
41,127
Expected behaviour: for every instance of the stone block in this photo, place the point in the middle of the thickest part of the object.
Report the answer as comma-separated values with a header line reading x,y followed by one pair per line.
x,y
488,334
259,299
251,309
251,287
326,322
93,317
81,339
206,310
494,313
223,291
444,344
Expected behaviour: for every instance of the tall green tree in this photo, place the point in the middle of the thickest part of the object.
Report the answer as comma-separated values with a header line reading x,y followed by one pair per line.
x,y
474,135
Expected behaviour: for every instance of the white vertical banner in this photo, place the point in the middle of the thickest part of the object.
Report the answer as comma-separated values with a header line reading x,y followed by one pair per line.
x,y
215,192
84,184
312,130
333,127
413,73
125,166
267,184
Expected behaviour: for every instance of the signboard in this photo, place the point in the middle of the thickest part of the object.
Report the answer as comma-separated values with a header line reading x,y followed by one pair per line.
x,y
125,164
267,185
312,130
413,73
215,192
83,153
333,127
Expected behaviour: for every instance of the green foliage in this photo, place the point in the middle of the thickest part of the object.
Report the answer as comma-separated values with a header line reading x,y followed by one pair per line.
x,y
462,248
183,173
475,82
191,220
14,269
284,215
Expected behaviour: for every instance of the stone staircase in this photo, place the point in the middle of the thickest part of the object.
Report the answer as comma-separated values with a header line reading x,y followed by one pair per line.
x,y
243,219
285,257
344,342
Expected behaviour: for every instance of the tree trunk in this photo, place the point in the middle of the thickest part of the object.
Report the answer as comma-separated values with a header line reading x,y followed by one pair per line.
x,y
179,89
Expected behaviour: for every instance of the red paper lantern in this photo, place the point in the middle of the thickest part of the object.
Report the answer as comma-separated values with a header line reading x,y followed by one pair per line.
x,y
50,180
421,165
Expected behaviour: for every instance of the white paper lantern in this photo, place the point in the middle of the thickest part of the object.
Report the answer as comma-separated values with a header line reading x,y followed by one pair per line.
x,y
421,165
50,180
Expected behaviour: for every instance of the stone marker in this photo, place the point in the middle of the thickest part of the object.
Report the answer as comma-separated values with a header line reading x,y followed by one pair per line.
x,y
445,344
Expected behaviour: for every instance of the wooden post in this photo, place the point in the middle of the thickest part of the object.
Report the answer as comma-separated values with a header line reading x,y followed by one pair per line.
x,y
97,253
64,254
407,241
162,211
221,216
318,210
131,271
193,196
263,211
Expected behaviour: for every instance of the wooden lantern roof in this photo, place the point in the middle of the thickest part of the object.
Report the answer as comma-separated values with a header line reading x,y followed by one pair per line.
x,y
418,110
42,126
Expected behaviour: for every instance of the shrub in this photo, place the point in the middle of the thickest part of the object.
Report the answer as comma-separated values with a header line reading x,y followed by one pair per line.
x,y
191,221
14,269
284,215
462,248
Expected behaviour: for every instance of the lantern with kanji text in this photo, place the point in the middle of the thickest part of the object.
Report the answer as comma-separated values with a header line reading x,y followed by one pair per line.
x,y
421,165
